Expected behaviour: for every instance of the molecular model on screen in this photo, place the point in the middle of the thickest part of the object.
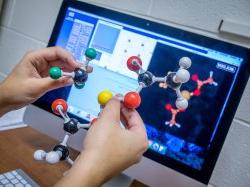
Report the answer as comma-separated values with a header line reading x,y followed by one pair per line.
x,y
130,100
188,95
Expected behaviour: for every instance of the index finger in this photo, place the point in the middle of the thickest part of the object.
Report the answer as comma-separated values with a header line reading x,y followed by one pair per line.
x,y
111,111
51,54
133,120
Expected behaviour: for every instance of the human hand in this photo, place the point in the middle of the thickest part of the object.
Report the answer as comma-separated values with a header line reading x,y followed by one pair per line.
x,y
108,149
29,79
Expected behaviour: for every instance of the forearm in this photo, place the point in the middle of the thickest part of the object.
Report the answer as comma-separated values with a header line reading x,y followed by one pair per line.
x,y
4,106
86,172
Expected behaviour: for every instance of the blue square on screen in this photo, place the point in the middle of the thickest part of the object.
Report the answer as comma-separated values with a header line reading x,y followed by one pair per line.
x,y
98,55
105,38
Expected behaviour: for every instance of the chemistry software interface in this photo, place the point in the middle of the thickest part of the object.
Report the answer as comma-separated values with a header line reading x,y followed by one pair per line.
x,y
115,42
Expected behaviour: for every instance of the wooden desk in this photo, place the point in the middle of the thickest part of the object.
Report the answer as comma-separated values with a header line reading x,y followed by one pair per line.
x,y
16,151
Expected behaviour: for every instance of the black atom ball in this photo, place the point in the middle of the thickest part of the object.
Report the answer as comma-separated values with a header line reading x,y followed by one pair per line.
x,y
71,126
63,149
146,78
81,75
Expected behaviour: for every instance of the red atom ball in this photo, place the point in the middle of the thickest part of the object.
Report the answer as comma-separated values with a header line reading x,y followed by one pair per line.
x,y
57,102
168,106
93,121
195,77
131,63
196,92
132,100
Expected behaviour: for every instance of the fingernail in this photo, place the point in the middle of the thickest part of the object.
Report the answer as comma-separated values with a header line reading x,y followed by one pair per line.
x,y
89,69
118,97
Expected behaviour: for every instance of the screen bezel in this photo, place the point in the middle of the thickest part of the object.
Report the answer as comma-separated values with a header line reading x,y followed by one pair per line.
x,y
205,173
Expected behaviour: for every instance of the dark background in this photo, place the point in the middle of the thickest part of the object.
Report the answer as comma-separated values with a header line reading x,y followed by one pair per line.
x,y
199,120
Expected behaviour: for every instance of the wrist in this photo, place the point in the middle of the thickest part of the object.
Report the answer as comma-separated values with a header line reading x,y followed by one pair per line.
x,y
4,106
95,174
85,173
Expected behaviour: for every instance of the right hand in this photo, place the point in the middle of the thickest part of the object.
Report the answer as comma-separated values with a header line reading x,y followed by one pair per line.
x,y
108,148
113,145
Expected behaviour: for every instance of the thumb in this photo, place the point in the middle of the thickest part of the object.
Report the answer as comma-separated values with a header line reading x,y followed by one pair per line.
x,y
111,112
46,84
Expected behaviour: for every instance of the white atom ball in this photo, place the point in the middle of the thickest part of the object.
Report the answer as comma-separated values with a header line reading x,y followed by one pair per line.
x,y
52,157
185,62
181,103
39,154
182,76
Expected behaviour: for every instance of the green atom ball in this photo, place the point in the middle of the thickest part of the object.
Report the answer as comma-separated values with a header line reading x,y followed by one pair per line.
x,y
55,72
90,53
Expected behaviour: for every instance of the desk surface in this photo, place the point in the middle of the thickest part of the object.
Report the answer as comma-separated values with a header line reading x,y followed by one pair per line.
x,y
16,151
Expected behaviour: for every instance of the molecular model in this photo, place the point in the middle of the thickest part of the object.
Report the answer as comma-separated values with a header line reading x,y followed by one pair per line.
x,y
131,100
200,84
79,75
187,95
59,107
174,112
173,80
70,126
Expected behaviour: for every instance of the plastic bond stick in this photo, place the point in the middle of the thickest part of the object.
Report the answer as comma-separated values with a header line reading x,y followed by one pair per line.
x,y
188,95
131,100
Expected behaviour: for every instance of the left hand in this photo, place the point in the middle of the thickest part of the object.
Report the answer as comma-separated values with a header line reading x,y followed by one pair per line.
x,y
29,79
108,149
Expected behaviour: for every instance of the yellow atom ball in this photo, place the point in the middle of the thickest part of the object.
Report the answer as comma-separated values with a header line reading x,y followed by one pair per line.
x,y
104,97
186,94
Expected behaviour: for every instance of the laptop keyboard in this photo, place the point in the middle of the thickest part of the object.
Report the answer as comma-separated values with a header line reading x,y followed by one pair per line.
x,y
16,178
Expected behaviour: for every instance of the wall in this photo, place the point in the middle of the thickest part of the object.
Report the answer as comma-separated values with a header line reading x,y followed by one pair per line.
x,y
27,24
